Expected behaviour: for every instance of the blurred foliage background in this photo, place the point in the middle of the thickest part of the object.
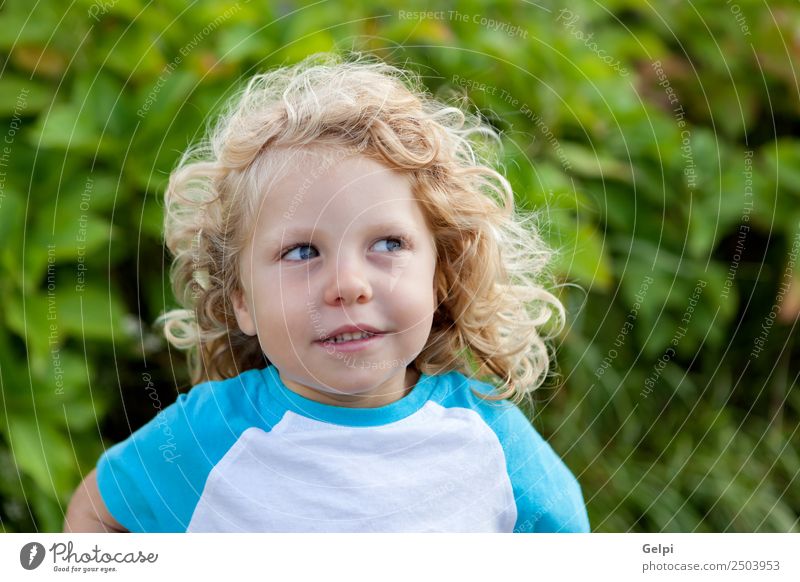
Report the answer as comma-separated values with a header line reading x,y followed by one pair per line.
x,y
660,142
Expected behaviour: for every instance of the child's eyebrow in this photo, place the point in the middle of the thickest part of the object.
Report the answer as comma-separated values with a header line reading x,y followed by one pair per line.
x,y
305,232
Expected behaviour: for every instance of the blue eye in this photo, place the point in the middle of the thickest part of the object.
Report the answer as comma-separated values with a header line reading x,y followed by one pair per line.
x,y
306,251
394,243
303,253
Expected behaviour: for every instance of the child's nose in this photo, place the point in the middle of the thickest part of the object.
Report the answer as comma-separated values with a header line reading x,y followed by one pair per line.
x,y
348,283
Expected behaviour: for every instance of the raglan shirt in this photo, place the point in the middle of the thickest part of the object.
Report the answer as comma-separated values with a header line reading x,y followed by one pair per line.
x,y
247,454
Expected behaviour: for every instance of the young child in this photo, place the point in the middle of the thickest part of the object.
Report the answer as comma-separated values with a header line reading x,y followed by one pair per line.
x,y
337,376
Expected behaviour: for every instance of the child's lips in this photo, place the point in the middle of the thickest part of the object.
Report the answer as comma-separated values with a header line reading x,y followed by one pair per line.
x,y
352,345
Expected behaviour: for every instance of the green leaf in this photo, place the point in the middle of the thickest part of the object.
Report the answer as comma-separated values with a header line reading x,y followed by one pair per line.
x,y
12,217
94,312
592,164
71,236
582,254
317,40
90,311
65,127
42,452
782,162
22,96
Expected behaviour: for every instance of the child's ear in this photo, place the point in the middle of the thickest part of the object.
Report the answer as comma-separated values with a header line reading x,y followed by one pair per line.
x,y
241,309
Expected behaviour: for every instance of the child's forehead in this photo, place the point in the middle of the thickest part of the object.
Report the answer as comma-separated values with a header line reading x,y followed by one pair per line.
x,y
308,180
315,186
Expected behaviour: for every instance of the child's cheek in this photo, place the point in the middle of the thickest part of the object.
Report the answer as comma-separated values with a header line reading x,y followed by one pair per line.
x,y
400,274
412,292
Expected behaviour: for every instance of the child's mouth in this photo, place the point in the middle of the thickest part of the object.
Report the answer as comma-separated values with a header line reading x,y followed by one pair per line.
x,y
350,345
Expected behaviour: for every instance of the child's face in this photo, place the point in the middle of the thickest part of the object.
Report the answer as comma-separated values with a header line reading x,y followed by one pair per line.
x,y
355,270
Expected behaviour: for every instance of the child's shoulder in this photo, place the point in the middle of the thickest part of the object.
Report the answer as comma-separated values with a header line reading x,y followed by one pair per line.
x,y
458,390
506,419
549,497
511,425
225,393
240,400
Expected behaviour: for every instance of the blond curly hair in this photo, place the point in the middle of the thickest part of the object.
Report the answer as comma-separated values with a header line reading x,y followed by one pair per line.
x,y
493,314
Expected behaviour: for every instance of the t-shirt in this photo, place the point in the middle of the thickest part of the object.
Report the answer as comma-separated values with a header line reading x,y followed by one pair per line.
x,y
247,454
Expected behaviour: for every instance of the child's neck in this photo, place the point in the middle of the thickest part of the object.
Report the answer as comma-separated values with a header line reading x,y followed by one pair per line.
x,y
382,396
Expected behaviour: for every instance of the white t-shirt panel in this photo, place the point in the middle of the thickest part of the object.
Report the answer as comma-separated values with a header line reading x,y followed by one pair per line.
x,y
310,476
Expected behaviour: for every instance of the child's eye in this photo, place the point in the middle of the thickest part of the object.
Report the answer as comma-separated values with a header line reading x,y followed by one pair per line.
x,y
305,251
391,244
301,252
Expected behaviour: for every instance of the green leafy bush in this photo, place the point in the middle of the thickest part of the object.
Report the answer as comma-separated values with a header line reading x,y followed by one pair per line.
x,y
660,147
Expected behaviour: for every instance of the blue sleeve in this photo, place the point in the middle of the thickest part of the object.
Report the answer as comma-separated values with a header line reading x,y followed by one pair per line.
x,y
152,481
548,496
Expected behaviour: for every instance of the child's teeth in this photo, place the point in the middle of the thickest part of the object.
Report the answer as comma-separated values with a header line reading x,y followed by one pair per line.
x,y
346,337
